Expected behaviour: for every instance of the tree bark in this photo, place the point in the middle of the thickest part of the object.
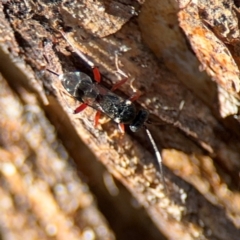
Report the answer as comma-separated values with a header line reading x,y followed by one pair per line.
x,y
194,110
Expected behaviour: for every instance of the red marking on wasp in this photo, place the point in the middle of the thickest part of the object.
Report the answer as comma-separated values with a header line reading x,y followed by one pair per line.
x,y
80,108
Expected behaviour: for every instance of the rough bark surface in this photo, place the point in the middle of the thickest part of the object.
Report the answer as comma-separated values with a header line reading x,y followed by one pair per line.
x,y
48,177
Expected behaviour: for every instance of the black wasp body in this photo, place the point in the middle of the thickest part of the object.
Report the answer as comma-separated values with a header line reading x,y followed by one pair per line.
x,y
123,111
91,93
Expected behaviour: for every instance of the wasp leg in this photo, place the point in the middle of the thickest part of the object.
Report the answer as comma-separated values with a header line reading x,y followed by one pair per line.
x,y
118,84
96,119
96,74
80,108
121,127
135,96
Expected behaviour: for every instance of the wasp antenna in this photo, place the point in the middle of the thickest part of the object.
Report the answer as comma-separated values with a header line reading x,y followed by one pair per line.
x,y
51,71
158,156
